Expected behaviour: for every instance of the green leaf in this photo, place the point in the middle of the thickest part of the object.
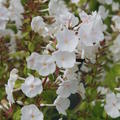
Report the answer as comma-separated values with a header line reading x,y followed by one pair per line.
x,y
31,47
49,96
93,5
110,79
17,114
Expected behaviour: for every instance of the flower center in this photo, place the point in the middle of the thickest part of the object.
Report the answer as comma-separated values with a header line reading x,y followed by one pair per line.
x,y
44,64
32,61
32,86
66,41
32,116
67,85
62,58
113,104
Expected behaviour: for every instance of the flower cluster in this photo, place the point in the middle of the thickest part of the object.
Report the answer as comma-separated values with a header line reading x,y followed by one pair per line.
x,y
71,41
11,15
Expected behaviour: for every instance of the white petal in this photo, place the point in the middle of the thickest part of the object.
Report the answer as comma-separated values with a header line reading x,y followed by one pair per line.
x,y
67,40
112,111
62,104
30,111
32,87
64,59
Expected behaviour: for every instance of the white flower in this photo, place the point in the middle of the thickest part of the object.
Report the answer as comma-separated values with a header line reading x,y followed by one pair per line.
x,y
4,17
38,24
67,40
31,60
51,29
112,106
32,86
67,87
103,12
9,92
91,29
89,51
57,7
46,65
16,10
62,104
10,86
63,17
13,77
67,19
31,112
17,5
71,73
115,49
115,6
64,59
116,20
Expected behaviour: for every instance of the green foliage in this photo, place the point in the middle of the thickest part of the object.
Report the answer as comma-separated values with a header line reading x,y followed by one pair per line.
x,y
24,2
17,114
31,47
2,93
49,96
111,75
93,5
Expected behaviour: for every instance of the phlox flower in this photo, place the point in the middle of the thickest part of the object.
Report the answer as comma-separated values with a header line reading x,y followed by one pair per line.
x,y
67,87
62,104
67,40
64,59
32,86
44,64
112,105
116,21
10,86
31,112
71,73
4,17
38,24
67,19
91,29
56,7
13,77
103,12
16,10
9,92
115,49
88,51
31,60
